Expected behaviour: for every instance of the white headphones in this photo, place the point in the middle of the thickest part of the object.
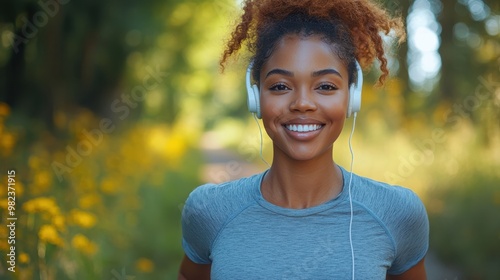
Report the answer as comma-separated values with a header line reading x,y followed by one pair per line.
x,y
354,93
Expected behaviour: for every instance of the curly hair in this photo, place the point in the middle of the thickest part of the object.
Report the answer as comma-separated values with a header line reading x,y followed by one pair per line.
x,y
352,27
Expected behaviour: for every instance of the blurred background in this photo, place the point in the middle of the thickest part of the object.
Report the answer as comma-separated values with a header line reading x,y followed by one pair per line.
x,y
112,112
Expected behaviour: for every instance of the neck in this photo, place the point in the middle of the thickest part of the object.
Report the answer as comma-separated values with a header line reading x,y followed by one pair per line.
x,y
302,184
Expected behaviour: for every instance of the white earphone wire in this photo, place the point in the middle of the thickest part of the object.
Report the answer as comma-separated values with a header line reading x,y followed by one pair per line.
x,y
261,141
350,196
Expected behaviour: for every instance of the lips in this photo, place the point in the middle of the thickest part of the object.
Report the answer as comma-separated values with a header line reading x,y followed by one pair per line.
x,y
303,129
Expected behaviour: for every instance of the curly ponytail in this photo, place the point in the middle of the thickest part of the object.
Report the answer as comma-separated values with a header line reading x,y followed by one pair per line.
x,y
353,27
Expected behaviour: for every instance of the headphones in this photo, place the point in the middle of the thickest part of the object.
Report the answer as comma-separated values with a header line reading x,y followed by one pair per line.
x,y
253,94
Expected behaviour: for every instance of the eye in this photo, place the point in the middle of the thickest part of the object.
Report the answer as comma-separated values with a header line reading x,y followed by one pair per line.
x,y
327,87
279,87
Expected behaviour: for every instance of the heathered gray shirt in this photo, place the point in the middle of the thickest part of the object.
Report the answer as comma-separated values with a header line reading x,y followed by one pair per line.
x,y
246,237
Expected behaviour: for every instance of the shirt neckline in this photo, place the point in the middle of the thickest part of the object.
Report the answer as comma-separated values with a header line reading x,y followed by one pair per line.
x,y
299,212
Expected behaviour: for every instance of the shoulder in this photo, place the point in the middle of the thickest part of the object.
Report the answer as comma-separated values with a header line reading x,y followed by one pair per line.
x,y
227,196
403,215
211,205
208,208
386,199
398,209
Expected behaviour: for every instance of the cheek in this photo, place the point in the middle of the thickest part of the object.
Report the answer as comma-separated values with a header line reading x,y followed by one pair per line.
x,y
271,107
272,110
338,117
335,108
269,115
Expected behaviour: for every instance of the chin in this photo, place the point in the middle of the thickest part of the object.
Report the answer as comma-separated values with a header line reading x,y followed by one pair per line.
x,y
308,155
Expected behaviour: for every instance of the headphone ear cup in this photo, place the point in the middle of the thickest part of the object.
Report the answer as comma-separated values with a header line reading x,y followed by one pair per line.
x,y
256,94
350,101
253,95
356,99
254,100
355,90
252,105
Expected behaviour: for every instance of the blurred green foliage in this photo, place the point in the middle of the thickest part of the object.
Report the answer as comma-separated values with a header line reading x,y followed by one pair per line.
x,y
467,228
104,107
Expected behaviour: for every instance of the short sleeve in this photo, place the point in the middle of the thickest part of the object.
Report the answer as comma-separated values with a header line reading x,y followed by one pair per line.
x,y
411,234
198,230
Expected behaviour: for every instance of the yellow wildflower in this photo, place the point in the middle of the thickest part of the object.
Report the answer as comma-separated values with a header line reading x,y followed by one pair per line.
x,y
3,242
109,186
4,109
7,142
86,184
175,148
42,181
58,221
144,265
82,218
41,204
48,233
83,244
171,144
4,203
24,258
89,200
34,162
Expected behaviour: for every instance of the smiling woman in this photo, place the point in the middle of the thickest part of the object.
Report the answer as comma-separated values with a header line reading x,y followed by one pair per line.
x,y
306,217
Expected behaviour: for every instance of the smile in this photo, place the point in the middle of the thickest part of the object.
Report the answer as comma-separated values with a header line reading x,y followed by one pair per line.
x,y
303,127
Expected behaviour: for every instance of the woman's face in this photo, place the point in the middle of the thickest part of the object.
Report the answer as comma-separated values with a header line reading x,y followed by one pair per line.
x,y
304,96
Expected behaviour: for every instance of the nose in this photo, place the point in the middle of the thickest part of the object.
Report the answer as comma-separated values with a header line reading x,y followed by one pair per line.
x,y
303,101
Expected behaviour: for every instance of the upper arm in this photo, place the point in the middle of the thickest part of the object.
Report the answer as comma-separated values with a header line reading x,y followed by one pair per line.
x,y
417,272
199,225
410,230
198,230
190,270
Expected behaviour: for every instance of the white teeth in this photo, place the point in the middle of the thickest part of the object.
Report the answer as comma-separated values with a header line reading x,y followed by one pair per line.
x,y
303,127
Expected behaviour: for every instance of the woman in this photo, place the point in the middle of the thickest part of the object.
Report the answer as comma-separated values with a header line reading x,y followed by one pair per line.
x,y
306,217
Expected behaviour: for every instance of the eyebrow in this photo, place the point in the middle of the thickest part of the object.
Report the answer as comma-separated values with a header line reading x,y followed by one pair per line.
x,y
314,74
279,72
325,72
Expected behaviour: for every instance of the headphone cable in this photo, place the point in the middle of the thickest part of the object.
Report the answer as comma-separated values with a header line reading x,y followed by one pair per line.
x,y
350,196
261,141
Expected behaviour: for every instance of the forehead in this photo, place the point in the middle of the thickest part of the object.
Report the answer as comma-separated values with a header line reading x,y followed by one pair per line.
x,y
306,53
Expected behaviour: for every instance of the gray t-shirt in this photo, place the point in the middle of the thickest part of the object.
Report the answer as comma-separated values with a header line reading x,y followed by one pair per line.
x,y
243,236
